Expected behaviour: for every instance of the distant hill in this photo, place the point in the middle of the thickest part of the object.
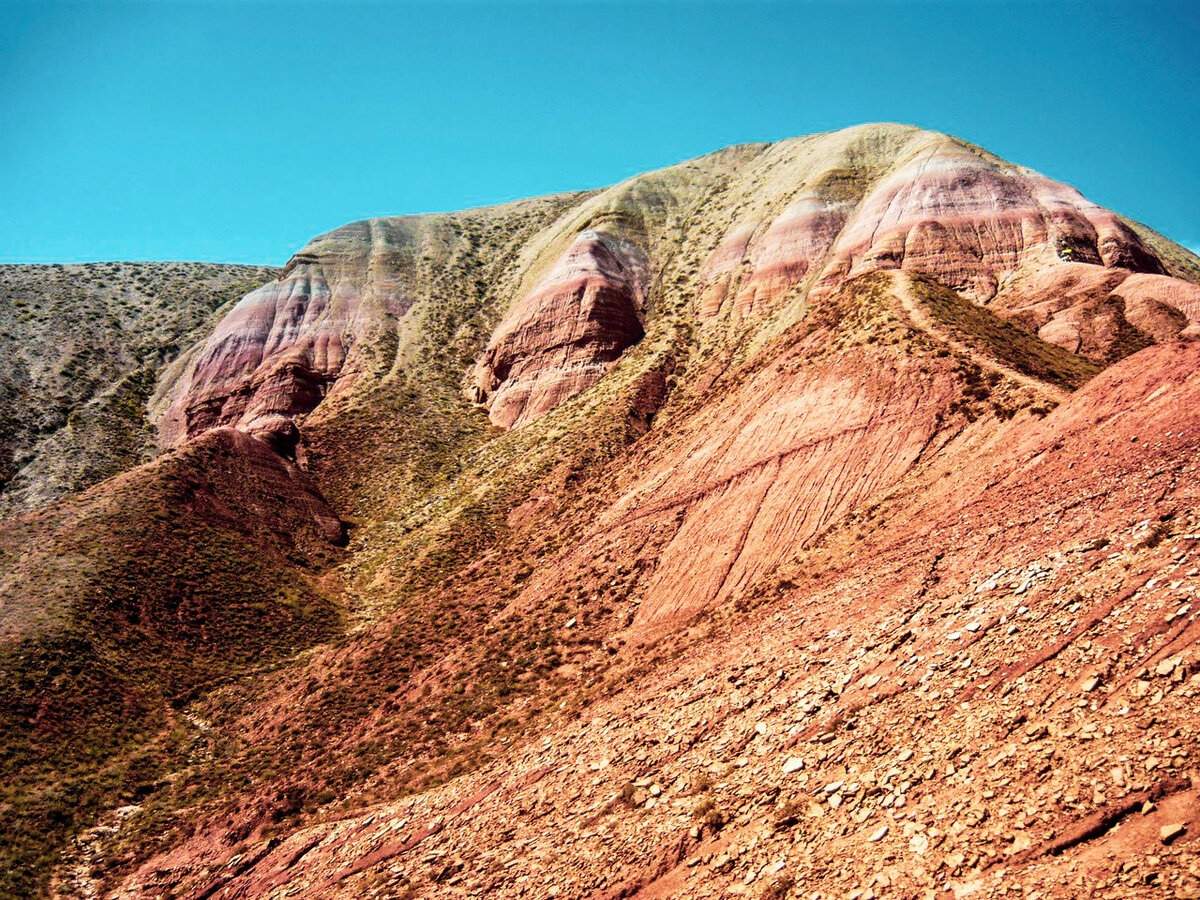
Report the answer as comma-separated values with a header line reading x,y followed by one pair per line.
x,y
83,346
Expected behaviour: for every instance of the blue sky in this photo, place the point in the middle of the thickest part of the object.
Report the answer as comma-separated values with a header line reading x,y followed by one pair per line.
x,y
235,131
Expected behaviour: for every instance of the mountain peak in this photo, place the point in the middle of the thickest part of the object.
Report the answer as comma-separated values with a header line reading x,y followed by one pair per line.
x,y
770,222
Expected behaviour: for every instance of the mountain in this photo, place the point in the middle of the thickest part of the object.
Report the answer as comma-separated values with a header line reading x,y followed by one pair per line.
x,y
807,518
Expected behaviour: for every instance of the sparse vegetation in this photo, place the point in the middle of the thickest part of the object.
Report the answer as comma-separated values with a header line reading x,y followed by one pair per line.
x,y
710,814
83,346
1159,531
1002,340
133,623
205,658
778,887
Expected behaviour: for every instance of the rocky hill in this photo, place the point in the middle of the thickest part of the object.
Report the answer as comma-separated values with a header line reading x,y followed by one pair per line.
x,y
814,518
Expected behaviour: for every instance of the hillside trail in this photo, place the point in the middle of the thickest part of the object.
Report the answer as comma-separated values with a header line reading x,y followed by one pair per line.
x,y
920,318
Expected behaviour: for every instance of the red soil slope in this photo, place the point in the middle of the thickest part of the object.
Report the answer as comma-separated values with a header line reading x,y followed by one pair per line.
x,y
985,682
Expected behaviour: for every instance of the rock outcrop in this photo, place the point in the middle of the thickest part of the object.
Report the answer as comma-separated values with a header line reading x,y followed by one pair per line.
x,y
998,234
562,337
973,222
286,346
794,243
799,216
1099,312
275,354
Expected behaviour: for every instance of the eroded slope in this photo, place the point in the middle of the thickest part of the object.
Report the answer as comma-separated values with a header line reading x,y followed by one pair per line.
x,y
910,702
119,602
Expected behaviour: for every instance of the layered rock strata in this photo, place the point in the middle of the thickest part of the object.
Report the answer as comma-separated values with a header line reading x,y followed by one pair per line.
x,y
797,217
562,337
823,484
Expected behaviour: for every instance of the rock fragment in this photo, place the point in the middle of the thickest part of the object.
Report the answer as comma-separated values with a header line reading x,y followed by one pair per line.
x,y
1169,833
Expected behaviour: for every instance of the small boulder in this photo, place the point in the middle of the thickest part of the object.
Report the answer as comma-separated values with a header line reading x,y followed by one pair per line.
x,y
1168,833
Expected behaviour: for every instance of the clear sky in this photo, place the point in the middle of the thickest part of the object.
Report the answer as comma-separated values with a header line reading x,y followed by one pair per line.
x,y
234,131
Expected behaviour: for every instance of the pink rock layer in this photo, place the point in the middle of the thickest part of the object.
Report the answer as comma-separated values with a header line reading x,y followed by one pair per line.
x,y
1089,309
286,346
767,470
273,356
794,243
566,334
977,226
971,224
1033,249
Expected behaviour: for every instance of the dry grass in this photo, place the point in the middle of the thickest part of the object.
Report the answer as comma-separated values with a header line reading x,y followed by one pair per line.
x,y
987,333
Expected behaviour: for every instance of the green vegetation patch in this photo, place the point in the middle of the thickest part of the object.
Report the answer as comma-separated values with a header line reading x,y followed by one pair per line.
x,y
1005,342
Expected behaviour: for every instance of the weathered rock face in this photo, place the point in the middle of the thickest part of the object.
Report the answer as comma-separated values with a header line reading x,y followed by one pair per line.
x,y
762,477
1033,249
275,354
795,243
1095,311
284,347
720,269
972,223
802,215
563,337
996,233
